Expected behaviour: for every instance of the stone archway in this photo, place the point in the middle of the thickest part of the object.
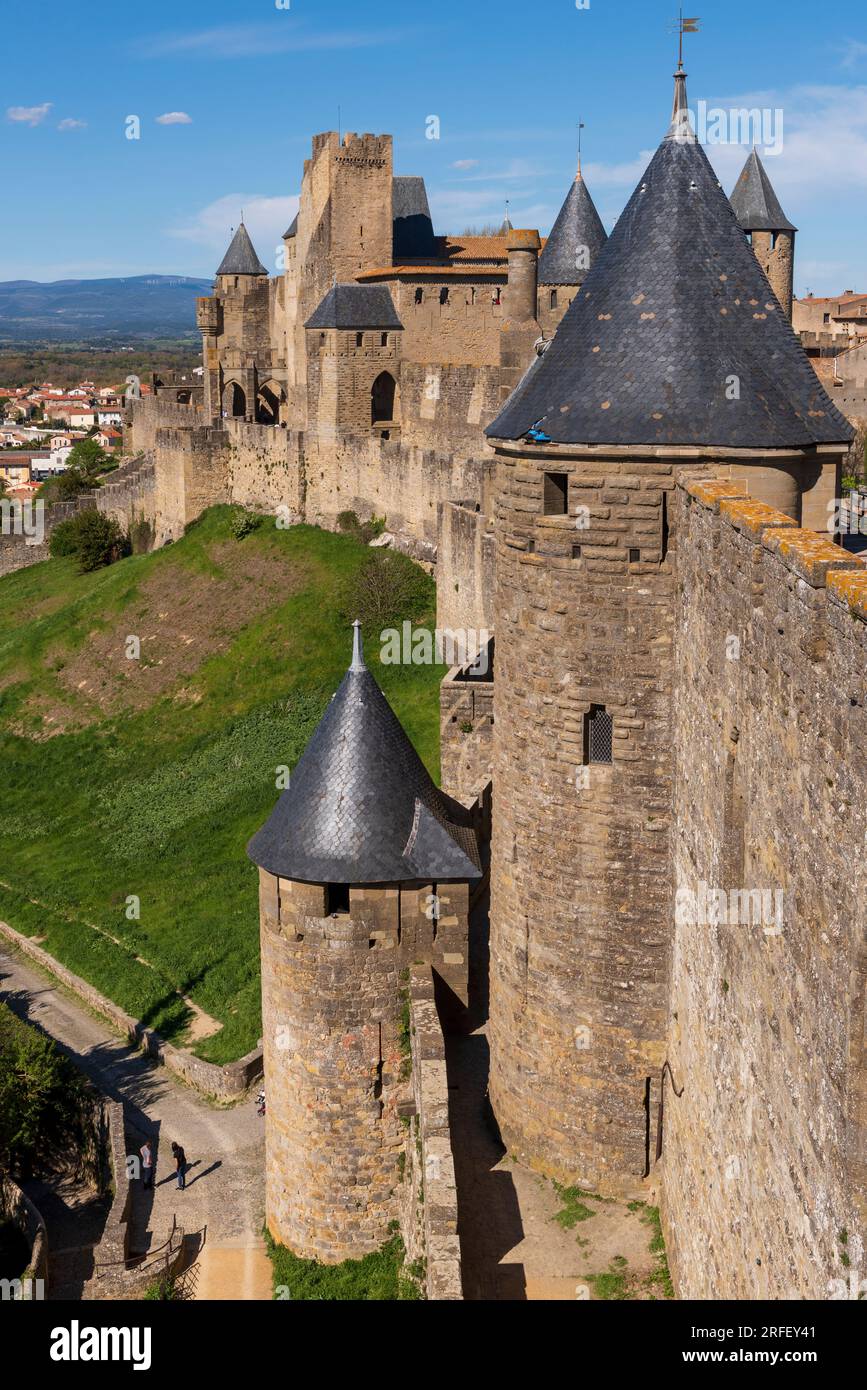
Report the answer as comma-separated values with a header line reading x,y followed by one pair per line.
x,y
234,399
384,399
268,404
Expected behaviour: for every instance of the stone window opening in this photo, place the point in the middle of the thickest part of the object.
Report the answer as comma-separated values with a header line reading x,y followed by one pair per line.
x,y
598,735
377,1084
359,340
576,552
664,540
556,494
634,555
495,297
419,295
383,341
553,299
444,295
337,899
434,902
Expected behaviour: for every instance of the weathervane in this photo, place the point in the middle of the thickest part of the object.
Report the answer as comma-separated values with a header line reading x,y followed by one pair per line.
x,y
682,26
580,128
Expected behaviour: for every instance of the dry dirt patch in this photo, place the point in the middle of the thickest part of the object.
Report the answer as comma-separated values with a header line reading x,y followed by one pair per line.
x,y
181,619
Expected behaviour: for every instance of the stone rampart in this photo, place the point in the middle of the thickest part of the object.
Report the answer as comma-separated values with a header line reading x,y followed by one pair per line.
x,y
765,1174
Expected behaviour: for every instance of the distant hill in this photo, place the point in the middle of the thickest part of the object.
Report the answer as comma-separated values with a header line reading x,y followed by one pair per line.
x,y
103,311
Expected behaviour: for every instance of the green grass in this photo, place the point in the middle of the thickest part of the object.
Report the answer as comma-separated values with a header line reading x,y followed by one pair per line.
x,y
382,1276
159,802
660,1280
574,1208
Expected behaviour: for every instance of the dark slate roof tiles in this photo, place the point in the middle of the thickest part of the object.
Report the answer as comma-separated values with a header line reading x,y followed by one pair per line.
x,y
754,201
355,306
674,308
577,230
361,806
241,258
412,227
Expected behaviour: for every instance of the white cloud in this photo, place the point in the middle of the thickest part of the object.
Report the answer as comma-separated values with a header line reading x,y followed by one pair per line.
x,y
252,40
174,118
465,164
29,115
266,219
624,174
70,123
854,53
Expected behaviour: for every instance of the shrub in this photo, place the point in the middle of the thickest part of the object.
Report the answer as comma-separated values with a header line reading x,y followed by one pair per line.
x,y
386,589
363,531
243,523
43,1100
95,539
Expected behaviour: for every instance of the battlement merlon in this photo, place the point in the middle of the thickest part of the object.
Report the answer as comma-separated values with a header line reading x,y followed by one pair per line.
x,y
813,557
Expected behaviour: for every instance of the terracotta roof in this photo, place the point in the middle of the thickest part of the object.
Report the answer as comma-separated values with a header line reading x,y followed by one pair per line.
x,y
829,298
436,272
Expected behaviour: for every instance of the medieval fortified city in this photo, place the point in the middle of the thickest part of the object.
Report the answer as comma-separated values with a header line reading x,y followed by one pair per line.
x,y
433,669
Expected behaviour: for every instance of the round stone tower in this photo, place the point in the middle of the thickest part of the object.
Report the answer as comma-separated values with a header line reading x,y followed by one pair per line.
x,y
364,870
659,368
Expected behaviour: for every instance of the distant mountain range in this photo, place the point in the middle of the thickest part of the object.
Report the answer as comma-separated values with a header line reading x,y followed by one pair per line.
x,y
99,311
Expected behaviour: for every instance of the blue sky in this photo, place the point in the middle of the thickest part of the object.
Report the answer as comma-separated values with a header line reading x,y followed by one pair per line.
x,y
245,85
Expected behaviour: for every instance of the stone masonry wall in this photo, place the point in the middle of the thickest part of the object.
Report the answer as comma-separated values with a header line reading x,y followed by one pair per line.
x,y
466,734
429,1209
331,1008
466,556
580,876
765,1174
448,402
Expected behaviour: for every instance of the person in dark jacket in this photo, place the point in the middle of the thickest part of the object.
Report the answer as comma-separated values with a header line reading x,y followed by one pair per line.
x,y
180,1165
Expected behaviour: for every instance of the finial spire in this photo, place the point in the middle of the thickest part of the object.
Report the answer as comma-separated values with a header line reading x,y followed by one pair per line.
x,y
357,651
580,128
680,128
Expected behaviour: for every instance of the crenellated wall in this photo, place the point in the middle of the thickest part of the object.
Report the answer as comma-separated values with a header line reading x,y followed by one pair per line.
x,y
765,1151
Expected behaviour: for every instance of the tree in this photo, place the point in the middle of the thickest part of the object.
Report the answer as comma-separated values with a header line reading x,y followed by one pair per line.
x,y
95,539
86,462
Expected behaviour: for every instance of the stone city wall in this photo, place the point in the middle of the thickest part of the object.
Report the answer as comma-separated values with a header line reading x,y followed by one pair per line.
x,y
17,1208
765,1151
128,494
466,557
429,1212
450,403
117,1274
466,734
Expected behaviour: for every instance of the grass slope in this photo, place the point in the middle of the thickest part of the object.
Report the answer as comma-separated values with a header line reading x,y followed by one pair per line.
x,y
144,779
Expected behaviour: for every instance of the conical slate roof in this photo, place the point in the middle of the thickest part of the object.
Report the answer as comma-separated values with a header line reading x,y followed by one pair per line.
x,y
754,201
675,337
241,258
361,807
576,239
